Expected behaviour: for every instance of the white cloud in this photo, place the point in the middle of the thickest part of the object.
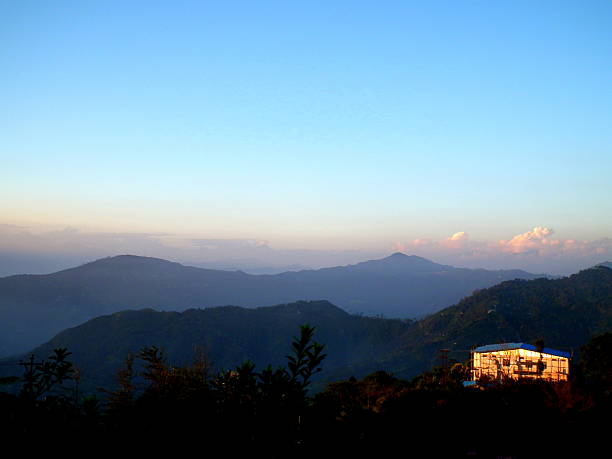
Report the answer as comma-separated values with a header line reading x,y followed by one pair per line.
x,y
535,250
458,240
460,236
530,242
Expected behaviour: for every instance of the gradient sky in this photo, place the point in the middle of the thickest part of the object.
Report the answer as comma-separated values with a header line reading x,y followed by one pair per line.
x,y
319,125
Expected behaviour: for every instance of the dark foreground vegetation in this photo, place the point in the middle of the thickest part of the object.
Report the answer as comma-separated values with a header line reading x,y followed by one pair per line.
x,y
250,412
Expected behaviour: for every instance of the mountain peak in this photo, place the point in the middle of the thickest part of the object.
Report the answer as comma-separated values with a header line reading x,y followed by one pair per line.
x,y
400,256
127,261
407,260
316,307
399,262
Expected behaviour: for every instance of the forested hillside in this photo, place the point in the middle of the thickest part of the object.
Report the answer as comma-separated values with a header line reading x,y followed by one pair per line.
x,y
227,336
565,313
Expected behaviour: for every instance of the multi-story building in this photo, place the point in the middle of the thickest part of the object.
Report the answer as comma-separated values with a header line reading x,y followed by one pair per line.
x,y
518,361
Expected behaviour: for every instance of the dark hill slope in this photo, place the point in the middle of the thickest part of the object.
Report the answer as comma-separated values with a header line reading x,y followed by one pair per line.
x,y
228,335
33,308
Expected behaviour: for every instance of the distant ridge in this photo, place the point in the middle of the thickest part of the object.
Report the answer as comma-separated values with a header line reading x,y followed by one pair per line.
x,y
35,307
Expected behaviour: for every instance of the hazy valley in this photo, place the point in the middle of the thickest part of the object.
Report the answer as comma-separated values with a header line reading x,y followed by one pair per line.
x,y
33,308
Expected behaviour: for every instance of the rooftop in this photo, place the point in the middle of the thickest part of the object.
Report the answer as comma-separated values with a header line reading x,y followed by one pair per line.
x,y
529,347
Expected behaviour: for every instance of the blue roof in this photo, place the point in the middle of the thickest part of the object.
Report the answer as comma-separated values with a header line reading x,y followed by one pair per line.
x,y
530,347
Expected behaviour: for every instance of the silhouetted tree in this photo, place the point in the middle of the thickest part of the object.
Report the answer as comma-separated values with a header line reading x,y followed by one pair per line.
x,y
123,397
41,377
306,358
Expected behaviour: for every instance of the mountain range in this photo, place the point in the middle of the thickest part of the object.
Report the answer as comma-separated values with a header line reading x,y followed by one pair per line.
x,y
564,312
33,308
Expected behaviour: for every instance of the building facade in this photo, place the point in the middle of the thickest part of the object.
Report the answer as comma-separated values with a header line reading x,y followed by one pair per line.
x,y
519,361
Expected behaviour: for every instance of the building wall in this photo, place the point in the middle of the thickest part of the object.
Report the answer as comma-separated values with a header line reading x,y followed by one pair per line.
x,y
518,364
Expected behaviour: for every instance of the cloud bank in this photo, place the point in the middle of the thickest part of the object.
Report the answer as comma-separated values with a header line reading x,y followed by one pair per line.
x,y
536,250
36,251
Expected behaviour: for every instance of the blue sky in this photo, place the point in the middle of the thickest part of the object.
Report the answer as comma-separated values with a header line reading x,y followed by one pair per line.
x,y
324,125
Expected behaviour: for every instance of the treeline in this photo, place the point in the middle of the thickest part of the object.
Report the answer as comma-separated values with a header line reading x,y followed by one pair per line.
x,y
250,412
